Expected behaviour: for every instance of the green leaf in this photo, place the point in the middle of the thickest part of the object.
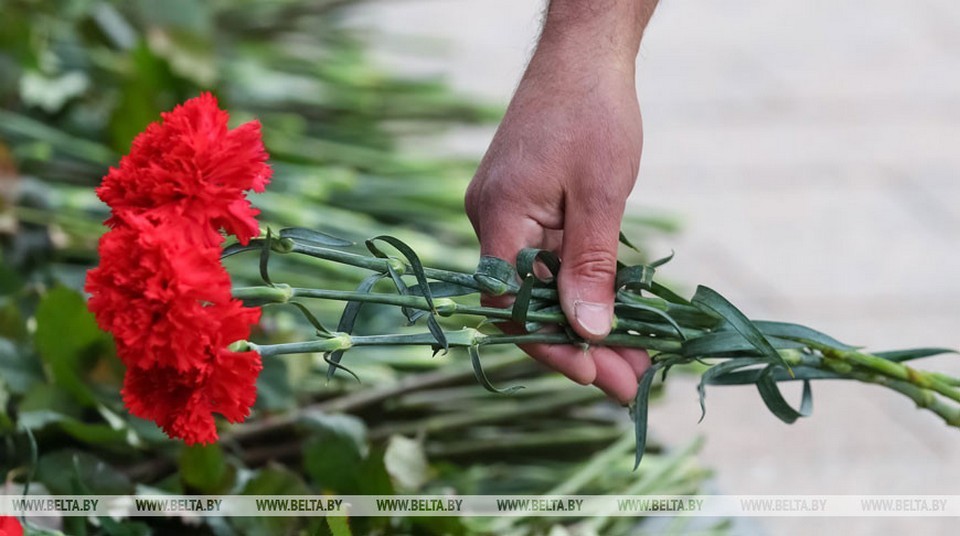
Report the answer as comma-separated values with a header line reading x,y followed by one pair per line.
x,y
348,319
442,289
625,308
770,393
317,325
710,301
406,463
233,249
527,257
18,370
626,242
719,370
744,377
482,377
639,412
663,292
913,353
635,277
663,260
314,238
338,526
729,343
69,340
55,470
521,304
418,272
333,455
265,258
495,276
796,332
203,467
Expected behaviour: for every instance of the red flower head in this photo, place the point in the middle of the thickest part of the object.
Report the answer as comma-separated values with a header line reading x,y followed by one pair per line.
x,y
160,288
9,526
191,168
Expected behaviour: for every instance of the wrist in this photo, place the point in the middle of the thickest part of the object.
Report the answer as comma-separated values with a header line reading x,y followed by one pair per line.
x,y
605,32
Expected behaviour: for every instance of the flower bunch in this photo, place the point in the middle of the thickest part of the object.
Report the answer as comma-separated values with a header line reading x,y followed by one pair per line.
x,y
160,288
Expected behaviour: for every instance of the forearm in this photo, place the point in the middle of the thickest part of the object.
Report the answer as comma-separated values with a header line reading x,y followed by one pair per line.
x,y
607,31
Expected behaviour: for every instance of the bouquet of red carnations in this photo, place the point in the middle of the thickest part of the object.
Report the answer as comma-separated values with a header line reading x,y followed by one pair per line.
x,y
182,331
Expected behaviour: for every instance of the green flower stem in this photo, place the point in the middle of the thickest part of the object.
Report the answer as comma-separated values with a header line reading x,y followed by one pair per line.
x,y
896,371
377,264
463,338
924,398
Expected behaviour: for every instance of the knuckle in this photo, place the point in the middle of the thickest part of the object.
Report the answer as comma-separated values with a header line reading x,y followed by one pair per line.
x,y
593,265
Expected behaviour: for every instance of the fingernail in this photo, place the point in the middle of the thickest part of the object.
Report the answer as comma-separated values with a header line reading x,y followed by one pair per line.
x,y
594,317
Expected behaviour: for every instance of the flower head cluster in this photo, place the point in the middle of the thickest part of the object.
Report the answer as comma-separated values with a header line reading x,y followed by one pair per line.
x,y
160,288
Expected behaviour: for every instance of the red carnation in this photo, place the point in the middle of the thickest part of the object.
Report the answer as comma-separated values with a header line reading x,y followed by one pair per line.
x,y
183,403
191,168
10,526
160,288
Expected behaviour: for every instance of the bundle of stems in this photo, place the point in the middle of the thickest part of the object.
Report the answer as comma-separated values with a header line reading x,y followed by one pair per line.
x,y
706,328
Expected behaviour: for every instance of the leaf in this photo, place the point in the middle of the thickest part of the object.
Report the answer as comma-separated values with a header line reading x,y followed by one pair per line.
x,y
338,526
17,370
349,318
913,353
482,377
710,301
619,307
717,371
265,258
55,470
495,276
635,277
521,304
321,329
639,412
333,454
69,340
233,249
663,292
203,467
315,238
626,242
527,258
796,332
728,343
744,377
663,260
770,393
442,289
418,272
406,463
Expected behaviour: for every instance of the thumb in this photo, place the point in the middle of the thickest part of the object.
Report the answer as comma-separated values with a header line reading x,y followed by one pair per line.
x,y
588,272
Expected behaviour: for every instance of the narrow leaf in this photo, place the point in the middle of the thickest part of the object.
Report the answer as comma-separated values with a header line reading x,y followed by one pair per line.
x,y
913,353
495,275
639,412
796,332
482,377
724,343
773,399
710,301
349,318
626,242
719,370
321,329
316,238
648,309
265,258
663,260
233,249
522,303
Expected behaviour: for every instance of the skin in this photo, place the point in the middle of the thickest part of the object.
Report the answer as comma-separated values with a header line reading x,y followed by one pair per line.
x,y
559,170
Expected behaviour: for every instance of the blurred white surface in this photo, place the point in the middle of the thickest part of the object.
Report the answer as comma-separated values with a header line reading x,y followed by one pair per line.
x,y
812,150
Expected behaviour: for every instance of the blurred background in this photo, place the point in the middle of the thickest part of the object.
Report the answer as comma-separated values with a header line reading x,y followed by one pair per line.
x,y
805,149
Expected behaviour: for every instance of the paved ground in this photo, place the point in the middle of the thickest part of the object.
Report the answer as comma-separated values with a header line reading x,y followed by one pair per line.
x,y
812,150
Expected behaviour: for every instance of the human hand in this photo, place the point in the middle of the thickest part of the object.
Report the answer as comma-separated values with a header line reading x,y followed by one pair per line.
x,y
556,177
